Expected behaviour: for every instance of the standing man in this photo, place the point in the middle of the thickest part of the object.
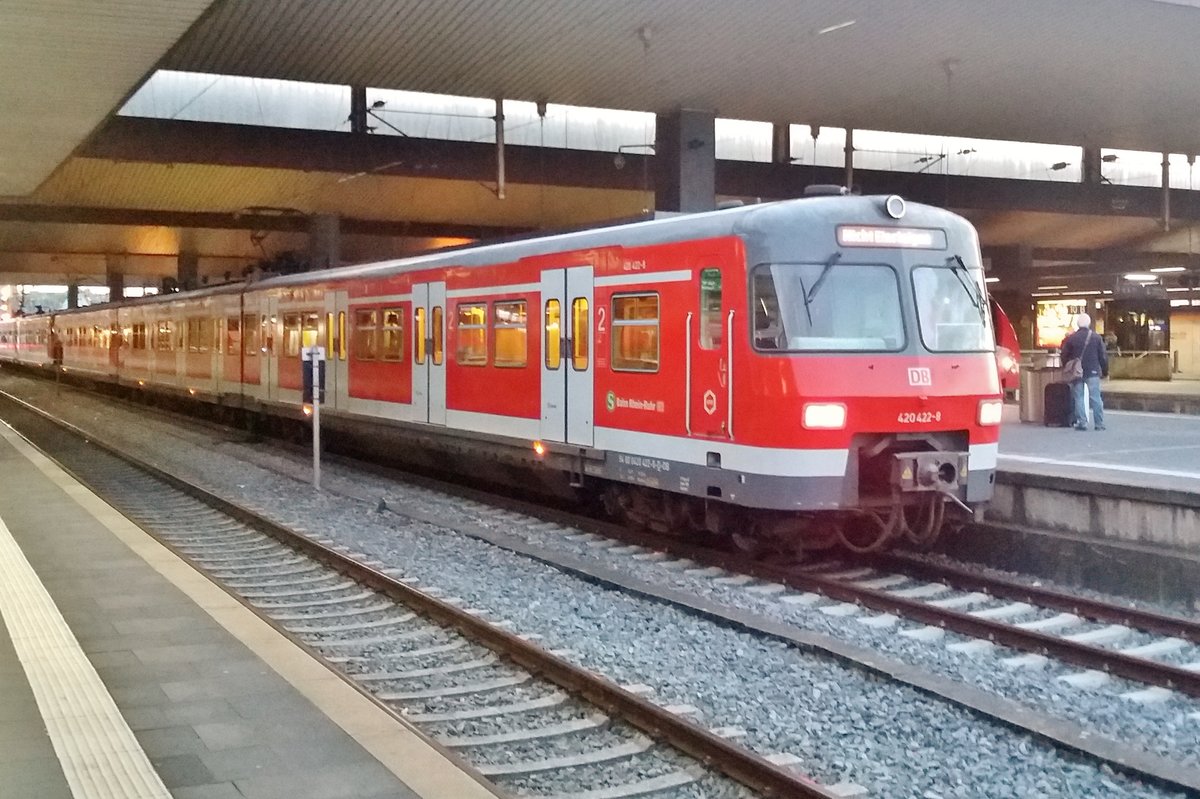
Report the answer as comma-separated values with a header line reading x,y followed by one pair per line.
x,y
1089,349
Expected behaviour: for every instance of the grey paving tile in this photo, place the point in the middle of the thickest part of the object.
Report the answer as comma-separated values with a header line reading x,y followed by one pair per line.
x,y
224,790
349,782
162,625
182,770
323,750
192,713
229,734
190,653
279,706
35,783
247,761
170,741
34,746
138,695
117,658
217,688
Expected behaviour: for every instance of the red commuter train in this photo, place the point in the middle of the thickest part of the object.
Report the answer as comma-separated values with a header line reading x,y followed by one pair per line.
x,y
804,372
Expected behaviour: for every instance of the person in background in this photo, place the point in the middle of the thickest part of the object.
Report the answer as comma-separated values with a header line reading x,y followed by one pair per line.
x,y
1089,348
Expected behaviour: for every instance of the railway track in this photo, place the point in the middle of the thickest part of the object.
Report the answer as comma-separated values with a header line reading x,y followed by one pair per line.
x,y
526,719
850,590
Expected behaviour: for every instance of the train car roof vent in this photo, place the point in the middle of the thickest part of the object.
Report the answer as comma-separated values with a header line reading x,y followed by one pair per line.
x,y
825,190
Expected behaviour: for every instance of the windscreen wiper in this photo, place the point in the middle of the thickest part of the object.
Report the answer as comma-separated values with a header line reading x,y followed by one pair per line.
x,y
955,262
812,293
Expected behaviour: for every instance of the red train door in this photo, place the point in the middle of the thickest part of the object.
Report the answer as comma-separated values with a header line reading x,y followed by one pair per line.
x,y
568,396
709,364
429,351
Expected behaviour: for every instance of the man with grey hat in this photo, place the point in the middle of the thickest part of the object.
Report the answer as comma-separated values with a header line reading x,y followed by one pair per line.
x,y
1089,349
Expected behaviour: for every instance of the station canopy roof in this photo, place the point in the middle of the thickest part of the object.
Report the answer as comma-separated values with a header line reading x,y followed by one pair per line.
x,y
1102,73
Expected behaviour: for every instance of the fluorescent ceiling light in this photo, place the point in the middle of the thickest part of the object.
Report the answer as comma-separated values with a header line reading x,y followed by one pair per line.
x,y
1162,269
837,27
1140,277
991,280
1050,288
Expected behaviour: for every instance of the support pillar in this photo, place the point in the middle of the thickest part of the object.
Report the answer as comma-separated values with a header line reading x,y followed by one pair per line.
x,y
114,277
1091,166
781,144
849,159
358,109
187,275
1166,192
72,295
685,158
324,241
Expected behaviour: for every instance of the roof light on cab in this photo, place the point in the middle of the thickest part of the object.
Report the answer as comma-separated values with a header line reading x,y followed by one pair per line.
x,y
824,416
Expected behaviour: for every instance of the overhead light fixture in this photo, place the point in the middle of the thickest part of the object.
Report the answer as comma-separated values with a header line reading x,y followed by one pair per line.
x,y
1140,277
1108,159
837,27
1059,166
1163,269
991,280
1050,288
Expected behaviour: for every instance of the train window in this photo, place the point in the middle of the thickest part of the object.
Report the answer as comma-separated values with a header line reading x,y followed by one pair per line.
x,y
635,333
291,335
580,327
510,322
341,335
435,320
952,308
711,327
472,335
250,334
310,331
233,335
391,347
139,336
365,323
553,334
419,335
826,307
163,341
199,330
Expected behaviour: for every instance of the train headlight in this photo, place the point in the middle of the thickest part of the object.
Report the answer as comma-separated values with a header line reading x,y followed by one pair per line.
x,y
990,412
825,416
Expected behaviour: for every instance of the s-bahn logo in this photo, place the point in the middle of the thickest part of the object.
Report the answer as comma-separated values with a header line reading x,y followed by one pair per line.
x,y
919,376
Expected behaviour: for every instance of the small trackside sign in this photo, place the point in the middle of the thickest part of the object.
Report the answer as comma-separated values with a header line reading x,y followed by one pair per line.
x,y
919,376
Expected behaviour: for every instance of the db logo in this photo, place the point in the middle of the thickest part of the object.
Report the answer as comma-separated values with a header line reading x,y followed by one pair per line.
x,y
710,402
919,376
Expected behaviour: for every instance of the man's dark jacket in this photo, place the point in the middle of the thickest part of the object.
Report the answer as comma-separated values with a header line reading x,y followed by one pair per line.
x,y
1095,356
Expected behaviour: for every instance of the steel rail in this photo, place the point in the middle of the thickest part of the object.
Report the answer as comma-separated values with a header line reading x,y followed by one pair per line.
x,y
1087,607
736,762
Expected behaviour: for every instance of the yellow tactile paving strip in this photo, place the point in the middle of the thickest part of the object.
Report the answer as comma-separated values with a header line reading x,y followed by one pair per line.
x,y
99,754
396,746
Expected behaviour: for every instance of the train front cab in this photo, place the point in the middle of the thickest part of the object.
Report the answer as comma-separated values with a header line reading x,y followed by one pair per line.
x,y
874,373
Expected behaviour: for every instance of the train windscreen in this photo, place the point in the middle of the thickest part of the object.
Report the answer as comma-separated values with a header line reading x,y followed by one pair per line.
x,y
827,307
952,308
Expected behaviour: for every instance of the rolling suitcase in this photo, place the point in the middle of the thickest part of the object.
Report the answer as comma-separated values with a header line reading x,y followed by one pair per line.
x,y
1059,405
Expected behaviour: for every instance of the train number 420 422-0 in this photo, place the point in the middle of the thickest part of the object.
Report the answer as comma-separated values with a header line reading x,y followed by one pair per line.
x,y
919,417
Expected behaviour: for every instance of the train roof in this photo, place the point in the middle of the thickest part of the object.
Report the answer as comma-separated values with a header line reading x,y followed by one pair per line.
x,y
746,220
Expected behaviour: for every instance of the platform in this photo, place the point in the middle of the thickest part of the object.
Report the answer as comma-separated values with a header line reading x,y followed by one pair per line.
x,y
1134,486
1154,449
126,673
